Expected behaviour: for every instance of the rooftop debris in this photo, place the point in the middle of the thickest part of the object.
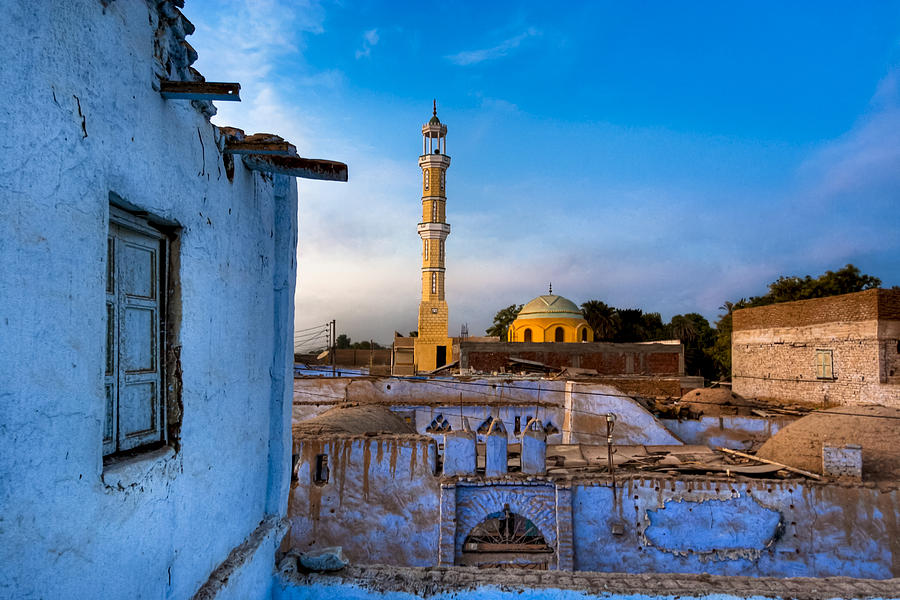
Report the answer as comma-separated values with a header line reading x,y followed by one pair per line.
x,y
770,462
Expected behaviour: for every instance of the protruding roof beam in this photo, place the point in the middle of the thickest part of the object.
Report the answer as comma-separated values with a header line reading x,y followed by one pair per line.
x,y
199,90
259,143
296,166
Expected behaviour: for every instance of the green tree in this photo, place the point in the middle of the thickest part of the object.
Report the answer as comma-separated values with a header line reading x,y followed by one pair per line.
x,y
502,320
631,325
653,327
786,289
342,342
601,318
683,328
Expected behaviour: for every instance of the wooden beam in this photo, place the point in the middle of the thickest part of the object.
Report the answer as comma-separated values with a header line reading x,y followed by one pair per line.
x,y
296,166
771,462
199,90
269,147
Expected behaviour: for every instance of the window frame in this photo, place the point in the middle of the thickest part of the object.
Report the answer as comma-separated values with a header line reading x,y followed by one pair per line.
x,y
825,364
135,230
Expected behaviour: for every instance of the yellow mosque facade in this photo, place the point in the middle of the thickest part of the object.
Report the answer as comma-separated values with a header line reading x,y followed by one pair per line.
x,y
550,318
433,347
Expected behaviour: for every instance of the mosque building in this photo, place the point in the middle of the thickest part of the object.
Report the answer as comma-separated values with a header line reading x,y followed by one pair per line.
x,y
550,318
433,347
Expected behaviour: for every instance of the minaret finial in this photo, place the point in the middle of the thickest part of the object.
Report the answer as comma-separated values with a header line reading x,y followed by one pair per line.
x,y
435,107
551,288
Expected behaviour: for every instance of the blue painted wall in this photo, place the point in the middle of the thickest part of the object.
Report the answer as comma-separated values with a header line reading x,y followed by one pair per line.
x,y
81,119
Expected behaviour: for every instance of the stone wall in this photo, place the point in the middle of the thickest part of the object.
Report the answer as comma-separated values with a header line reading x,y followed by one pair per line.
x,y
83,120
777,361
392,583
605,358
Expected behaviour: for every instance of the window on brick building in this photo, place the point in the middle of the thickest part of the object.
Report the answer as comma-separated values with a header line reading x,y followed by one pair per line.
x,y
427,179
824,364
433,283
426,249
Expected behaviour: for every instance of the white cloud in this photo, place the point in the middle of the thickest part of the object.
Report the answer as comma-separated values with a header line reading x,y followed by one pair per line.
x,y
866,160
471,57
370,40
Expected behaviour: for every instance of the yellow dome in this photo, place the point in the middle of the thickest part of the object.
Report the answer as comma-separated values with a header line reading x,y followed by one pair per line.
x,y
550,318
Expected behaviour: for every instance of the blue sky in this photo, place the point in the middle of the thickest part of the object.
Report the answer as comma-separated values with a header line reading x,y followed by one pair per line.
x,y
661,155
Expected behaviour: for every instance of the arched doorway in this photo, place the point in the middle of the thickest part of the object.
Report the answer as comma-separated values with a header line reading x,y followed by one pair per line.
x,y
506,539
584,335
527,336
560,335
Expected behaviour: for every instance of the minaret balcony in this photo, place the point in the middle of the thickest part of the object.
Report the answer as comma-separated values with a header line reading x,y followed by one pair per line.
x,y
434,160
433,231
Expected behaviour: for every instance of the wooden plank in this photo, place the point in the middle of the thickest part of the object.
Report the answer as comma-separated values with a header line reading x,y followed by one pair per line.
x,y
271,149
771,462
258,143
296,166
199,90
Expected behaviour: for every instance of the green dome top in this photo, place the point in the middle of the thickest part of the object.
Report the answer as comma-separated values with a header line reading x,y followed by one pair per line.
x,y
550,306
434,121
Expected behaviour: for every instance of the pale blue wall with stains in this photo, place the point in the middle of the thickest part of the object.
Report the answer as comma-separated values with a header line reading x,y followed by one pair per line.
x,y
81,120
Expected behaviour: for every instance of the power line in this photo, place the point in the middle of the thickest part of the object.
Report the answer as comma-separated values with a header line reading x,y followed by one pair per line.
x,y
451,385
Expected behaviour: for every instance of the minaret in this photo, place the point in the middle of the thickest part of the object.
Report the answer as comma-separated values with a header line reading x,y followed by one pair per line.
x,y
433,347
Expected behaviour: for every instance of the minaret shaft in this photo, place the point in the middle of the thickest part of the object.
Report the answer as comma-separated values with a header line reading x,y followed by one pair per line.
x,y
433,348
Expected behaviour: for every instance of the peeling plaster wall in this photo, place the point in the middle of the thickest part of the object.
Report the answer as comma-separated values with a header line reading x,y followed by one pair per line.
x,y
747,527
81,120
381,502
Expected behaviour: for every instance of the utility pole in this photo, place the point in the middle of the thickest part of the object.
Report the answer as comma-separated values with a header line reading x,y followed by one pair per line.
x,y
333,344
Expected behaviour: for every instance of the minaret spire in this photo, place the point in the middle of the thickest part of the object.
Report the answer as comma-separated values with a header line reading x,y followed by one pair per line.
x,y
435,107
551,288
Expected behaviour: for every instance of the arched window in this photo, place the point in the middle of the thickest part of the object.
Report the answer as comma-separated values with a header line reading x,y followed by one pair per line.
x,y
584,335
506,532
560,335
427,179
441,250
434,211
433,282
526,337
426,249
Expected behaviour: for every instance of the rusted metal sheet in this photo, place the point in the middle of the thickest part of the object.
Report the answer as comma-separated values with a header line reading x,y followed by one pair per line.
x,y
199,90
296,166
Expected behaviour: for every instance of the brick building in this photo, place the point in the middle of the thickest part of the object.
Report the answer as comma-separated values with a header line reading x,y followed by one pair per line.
x,y
835,351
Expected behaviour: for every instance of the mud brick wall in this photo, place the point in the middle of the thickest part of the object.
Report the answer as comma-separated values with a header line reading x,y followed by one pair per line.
x,y
605,358
774,350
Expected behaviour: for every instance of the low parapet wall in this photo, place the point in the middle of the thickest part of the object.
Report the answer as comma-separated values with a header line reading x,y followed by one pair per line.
x,y
605,358
469,583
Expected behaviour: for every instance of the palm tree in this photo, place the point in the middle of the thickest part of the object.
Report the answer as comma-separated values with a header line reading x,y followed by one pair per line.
x,y
602,319
683,328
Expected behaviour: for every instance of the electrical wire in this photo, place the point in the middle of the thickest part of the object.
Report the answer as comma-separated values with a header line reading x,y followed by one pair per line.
x,y
451,385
